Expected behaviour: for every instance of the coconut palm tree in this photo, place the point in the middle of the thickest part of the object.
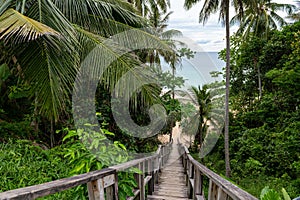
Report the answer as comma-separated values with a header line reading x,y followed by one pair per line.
x,y
145,6
201,97
50,38
221,6
296,15
260,18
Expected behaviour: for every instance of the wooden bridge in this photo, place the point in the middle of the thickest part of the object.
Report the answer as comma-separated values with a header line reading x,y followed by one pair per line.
x,y
170,174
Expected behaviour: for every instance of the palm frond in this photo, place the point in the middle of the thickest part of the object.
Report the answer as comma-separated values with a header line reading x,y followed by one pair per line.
x,y
80,11
281,22
111,59
209,7
288,8
51,76
188,4
5,5
235,20
169,34
19,28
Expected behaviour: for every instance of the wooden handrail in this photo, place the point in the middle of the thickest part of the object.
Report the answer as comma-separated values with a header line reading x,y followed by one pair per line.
x,y
100,182
219,188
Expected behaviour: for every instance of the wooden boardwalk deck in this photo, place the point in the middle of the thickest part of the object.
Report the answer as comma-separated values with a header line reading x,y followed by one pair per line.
x,y
171,184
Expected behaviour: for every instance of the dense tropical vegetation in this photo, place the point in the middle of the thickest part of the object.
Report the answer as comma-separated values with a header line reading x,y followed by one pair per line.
x,y
42,46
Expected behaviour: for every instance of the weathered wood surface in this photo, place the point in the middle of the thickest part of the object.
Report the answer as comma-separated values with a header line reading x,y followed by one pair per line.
x,y
219,188
171,182
45,189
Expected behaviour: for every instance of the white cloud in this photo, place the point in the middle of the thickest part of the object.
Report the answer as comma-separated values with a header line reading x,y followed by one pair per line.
x,y
212,33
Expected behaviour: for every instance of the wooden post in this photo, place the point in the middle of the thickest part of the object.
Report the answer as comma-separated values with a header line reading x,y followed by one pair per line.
x,y
185,162
212,190
221,194
189,177
140,182
197,183
151,173
110,192
142,186
96,190
162,156
116,189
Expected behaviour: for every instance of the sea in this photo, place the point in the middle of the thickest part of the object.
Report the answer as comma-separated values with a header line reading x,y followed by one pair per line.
x,y
196,71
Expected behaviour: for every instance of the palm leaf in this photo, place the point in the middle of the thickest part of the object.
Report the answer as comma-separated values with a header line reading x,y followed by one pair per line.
x,y
50,66
121,63
21,28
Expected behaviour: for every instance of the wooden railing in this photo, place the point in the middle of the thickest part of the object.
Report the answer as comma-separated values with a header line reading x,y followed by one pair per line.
x,y
219,188
101,184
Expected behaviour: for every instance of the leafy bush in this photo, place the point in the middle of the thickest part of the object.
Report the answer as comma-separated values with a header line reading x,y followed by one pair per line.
x,y
20,130
24,163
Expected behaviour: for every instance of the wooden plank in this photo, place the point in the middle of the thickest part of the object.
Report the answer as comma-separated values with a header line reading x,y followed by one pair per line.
x,y
213,191
108,180
197,183
135,194
116,190
221,194
110,193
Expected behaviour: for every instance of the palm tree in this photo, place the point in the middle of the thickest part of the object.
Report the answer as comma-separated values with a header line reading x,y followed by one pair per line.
x,y
221,6
201,98
296,16
144,7
260,18
50,38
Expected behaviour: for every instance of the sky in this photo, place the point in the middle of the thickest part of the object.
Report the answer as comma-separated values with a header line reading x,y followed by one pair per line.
x,y
209,38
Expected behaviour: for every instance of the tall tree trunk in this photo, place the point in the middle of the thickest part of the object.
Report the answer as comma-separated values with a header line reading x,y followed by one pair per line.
x,y
200,135
173,87
226,134
52,139
256,65
259,81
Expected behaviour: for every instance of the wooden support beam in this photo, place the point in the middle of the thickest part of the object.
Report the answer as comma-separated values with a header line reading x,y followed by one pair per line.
x,y
221,194
96,190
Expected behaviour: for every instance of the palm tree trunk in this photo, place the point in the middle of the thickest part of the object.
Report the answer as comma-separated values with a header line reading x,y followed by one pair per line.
x,y
226,134
200,136
259,81
52,139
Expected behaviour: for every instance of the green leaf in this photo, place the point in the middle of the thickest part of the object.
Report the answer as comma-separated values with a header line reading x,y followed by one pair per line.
x,y
70,134
21,27
78,168
4,72
106,132
285,194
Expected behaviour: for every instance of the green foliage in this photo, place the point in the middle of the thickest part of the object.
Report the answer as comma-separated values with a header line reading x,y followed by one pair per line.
x,y
21,130
264,131
126,184
270,194
24,163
